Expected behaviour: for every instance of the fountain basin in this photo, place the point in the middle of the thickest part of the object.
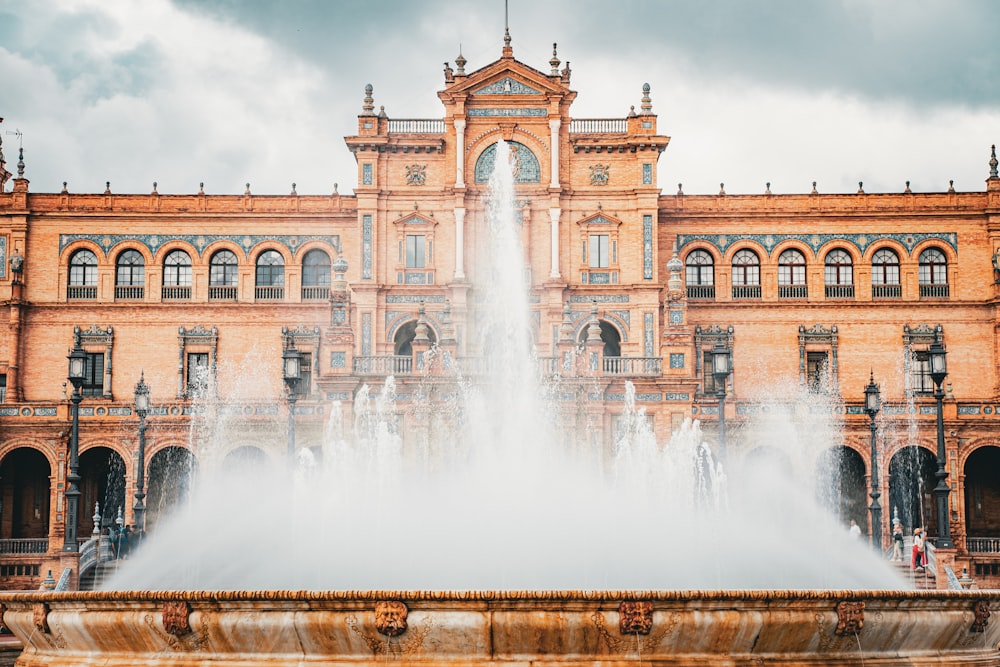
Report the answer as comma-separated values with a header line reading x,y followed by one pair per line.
x,y
240,628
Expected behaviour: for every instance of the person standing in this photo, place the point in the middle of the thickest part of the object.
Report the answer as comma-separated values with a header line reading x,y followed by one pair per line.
x,y
855,529
917,556
897,542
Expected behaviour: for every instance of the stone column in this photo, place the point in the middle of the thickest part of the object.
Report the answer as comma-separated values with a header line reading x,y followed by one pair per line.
x,y
554,143
459,244
459,153
554,214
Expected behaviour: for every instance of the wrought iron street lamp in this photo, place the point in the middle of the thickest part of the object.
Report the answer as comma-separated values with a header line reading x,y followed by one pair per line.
x,y
873,403
141,409
77,373
722,366
939,371
292,370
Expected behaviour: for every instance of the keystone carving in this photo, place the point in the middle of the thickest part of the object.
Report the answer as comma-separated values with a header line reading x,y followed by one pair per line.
x,y
40,615
850,618
635,617
981,609
390,618
176,618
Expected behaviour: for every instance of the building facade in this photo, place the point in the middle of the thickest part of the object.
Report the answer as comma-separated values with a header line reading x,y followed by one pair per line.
x,y
200,295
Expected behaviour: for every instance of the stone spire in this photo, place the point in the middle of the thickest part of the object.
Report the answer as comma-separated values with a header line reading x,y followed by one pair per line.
x,y
20,163
554,62
368,108
508,50
993,162
647,102
460,62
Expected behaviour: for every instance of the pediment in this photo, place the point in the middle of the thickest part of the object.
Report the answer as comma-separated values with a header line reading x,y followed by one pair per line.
x,y
416,219
507,77
599,219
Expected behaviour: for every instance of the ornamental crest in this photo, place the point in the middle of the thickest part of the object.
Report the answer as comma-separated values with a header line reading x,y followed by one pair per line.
x,y
850,618
416,174
599,174
390,617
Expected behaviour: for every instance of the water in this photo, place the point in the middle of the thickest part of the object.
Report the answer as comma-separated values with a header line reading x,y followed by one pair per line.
x,y
511,499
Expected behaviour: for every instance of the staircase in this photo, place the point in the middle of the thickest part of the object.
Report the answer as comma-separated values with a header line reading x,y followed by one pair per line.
x,y
95,577
921,580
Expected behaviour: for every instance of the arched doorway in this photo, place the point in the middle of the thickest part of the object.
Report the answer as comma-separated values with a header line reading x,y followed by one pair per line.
x,y
245,459
169,476
403,340
840,485
610,336
982,496
911,489
102,480
24,494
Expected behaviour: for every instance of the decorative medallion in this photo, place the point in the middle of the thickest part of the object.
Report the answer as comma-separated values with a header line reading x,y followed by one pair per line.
x,y
390,617
416,174
40,616
850,618
599,174
635,617
981,609
176,618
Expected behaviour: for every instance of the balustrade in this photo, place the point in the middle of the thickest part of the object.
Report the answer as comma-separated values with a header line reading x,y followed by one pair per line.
x,y
934,291
315,293
886,292
416,126
129,292
384,364
269,293
745,292
598,126
840,291
222,293
32,545
701,291
793,292
81,292
983,545
176,293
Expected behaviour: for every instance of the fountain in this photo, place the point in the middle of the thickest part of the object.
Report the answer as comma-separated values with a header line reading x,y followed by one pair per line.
x,y
510,541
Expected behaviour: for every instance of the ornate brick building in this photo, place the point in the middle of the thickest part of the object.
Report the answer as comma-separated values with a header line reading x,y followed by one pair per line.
x,y
199,292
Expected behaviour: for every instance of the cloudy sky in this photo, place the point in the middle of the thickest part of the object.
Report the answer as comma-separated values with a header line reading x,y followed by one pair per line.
x,y
229,91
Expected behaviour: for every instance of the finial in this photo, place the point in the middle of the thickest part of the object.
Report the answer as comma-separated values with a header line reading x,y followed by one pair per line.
x,y
993,162
554,62
907,190
154,189
506,36
368,108
460,62
767,188
247,191
201,187
293,190
335,191
861,187
722,188
814,190
680,189
20,162
647,102
107,187
381,112
951,186
631,111
64,190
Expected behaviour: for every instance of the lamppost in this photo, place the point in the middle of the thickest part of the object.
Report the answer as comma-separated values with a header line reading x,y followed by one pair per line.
x,y
141,409
77,371
872,405
722,366
292,369
939,370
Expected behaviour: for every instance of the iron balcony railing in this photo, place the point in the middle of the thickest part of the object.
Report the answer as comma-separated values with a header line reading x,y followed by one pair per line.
x,y
982,545
31,545
934,292
793,291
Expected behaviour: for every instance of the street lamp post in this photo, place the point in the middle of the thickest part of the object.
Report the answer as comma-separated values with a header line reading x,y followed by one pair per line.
x,y
872,405
939,370
722,366
141,409
77,372
292,370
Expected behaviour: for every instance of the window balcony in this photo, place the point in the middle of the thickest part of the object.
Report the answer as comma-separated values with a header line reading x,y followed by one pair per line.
x,y
702,292
222,293
316,293
633,366
269,293
129,292
384,365
82,293
839,291
887,292
175,293
793,291
934,291
746,292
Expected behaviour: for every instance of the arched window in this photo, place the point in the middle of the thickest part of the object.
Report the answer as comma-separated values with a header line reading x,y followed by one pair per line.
x,y
270,275
612,340
402,344
746,275
130,275
83,275
933,273
523,162
838,274
177,275
792,275
700,275
885,275
223,271
316,275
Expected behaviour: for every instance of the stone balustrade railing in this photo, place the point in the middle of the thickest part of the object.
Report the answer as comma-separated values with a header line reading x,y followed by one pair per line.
x,y
34,545
416,126
598,126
